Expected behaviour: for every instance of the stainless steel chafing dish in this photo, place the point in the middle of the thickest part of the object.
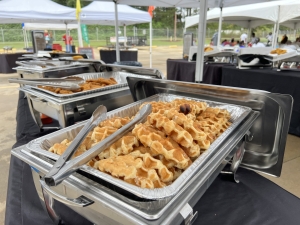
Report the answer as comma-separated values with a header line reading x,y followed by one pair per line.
x,y
51,68
257,142
67,109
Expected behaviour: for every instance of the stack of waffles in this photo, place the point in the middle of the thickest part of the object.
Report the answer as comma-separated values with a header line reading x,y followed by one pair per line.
x,y
156,152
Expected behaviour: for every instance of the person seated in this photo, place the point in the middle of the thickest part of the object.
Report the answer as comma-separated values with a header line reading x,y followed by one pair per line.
x,y
242,44
252,38
284,40
225,43
232,42
257,43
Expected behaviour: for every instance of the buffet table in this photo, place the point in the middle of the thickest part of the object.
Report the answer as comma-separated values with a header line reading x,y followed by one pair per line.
x,y
109,56
255,200
284,82
8,61
183,70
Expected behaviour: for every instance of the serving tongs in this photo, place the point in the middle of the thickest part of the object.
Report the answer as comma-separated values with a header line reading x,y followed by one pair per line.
x,y
64,167
69,83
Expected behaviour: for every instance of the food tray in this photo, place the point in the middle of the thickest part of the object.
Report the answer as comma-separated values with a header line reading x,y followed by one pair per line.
x,y
119,76
238,113
56,65
274,57
212,52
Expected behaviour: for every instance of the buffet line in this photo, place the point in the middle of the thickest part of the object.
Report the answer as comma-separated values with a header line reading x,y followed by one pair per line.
x,y
134,148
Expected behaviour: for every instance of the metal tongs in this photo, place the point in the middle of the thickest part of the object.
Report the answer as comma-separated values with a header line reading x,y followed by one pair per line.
x,y
70,83
64,167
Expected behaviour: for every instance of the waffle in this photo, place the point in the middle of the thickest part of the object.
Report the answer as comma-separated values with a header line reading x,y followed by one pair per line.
x,y
100,133
278,51
156,106
123,146
176,132
116,122
60,148
194,106
152,163
133,170
161,146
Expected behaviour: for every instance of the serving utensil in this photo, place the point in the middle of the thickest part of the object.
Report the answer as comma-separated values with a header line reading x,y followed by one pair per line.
x,y
62,169
69,83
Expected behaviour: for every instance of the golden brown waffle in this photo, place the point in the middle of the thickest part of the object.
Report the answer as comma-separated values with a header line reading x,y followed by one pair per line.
x,y
152,163
176,132
100,133
123,146
156,106
278,51
161,146
116,122
133,170
191,106
60,148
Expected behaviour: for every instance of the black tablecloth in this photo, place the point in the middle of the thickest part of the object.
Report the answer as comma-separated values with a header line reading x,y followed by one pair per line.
x,y
283,82
255,200
183,70
109,56
8,61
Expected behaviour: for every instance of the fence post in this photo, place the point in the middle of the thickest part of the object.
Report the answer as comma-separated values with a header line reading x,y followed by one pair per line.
x,y
54,36
97,33
167,32
2,34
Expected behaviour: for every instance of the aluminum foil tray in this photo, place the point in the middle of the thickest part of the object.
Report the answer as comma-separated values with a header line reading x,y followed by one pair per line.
x,y
120,77
238,113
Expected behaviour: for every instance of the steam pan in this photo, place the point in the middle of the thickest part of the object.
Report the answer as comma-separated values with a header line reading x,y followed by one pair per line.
x,y
120,77
238,113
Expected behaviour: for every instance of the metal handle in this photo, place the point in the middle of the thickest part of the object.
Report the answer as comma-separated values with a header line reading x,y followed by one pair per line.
x,y
81,201
37,99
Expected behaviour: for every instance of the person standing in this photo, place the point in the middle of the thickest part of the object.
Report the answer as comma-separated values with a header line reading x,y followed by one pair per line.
x,y
49,40
68,41
244,38
214,39
269,38
253,39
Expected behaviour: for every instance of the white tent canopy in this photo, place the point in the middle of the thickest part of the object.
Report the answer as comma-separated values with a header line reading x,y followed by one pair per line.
x,y
103,13
35,11
48,26
203,4
253,15
186,3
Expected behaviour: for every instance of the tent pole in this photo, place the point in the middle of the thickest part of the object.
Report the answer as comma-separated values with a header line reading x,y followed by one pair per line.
x,y
125,38
150,47
201,41
220,26
116,33
277,26
273,36
79,31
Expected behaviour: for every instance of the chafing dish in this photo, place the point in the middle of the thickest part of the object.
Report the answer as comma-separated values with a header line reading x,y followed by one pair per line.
x,y
256,143
291,63
67,109
51,68
218,54
254,56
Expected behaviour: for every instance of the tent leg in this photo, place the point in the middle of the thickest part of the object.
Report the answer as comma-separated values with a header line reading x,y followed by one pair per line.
x,y
150,47
116,33
201,41
125,38
79,32
277,26
220,27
